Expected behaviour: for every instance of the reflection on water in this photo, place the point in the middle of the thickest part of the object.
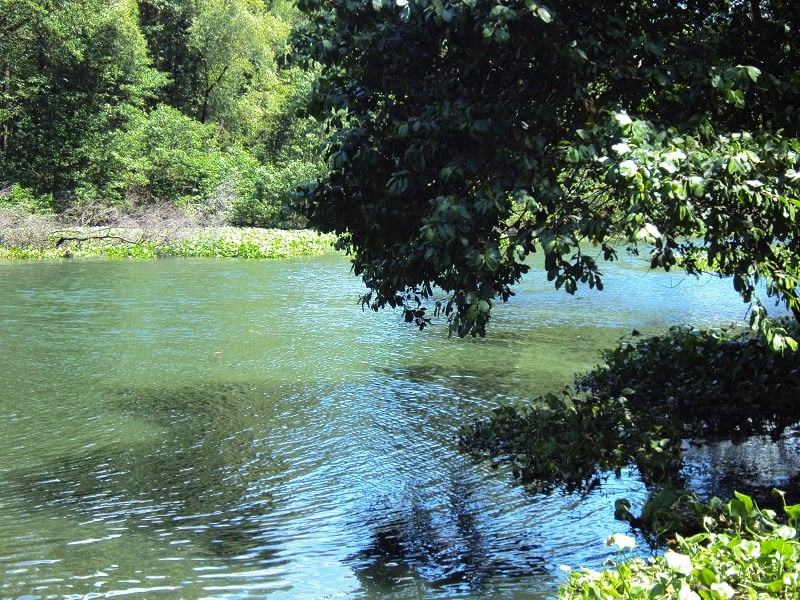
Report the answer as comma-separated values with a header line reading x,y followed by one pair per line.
x,y
224,429
453,553
754,465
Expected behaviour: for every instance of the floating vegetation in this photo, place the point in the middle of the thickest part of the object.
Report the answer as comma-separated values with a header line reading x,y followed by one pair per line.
x,y
209,242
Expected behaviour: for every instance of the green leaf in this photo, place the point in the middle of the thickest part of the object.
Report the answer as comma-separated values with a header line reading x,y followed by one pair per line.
x,y
722,590
792,512
680,563
492,258
775,586
697,185
623,119
621,148
746,502
648,232
752,72
735,97
628,168
707,576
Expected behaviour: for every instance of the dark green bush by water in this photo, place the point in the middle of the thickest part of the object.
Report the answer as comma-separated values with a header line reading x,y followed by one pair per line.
x,y
636,411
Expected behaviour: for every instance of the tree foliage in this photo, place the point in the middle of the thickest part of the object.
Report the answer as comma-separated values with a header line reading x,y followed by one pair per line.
x,y
70,70
637,409
467,134
132,102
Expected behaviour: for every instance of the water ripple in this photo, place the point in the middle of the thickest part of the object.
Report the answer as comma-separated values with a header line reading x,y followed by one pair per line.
x,y
223,429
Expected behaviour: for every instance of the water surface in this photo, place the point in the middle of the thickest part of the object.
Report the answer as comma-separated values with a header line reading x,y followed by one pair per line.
x,y
233,429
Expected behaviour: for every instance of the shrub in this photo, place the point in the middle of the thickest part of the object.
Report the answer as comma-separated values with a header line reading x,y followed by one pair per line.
x,y
711,382
24,200
229,242
638,409
166,156
264,198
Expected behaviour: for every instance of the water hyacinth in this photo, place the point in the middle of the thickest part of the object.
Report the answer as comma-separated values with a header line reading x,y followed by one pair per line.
x,y
211,242
745,552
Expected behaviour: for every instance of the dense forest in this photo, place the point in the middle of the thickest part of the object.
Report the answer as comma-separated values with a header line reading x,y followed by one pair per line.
x,y
130,104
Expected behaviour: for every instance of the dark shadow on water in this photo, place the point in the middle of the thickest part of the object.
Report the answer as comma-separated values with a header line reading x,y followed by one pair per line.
x,y
199,479
422,550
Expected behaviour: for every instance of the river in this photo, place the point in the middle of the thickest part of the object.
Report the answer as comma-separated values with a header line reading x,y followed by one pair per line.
x,y
233,429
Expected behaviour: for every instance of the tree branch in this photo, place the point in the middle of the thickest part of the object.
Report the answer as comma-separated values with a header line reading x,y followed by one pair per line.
x,y
104,236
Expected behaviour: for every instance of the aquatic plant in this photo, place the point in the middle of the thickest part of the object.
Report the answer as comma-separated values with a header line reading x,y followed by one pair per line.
x,y
744,552
211,242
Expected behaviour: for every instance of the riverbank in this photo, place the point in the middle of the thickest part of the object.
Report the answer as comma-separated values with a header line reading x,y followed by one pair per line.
x,y
37,237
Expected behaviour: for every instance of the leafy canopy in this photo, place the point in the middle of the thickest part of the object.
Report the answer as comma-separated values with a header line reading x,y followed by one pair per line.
x,y
467,134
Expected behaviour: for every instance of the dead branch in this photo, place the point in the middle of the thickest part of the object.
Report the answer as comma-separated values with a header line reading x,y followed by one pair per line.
x,y
107,235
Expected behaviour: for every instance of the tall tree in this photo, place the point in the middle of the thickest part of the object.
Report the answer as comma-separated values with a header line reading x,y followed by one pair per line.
x,y
220,57
71,72
166,24
467,134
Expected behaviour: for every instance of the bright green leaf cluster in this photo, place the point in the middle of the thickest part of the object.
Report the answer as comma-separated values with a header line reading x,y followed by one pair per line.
x,y
745,553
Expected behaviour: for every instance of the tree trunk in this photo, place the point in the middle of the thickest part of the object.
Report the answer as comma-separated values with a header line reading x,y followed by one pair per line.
x,y
755,8
7,123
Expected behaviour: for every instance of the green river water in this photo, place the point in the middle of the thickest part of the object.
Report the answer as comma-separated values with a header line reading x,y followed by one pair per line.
x,y
232,429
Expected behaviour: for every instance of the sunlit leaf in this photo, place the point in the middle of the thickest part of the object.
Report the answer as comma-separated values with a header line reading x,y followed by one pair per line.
x,y
621,148
628,168
678,562
752,72
623,119
621,541
544,14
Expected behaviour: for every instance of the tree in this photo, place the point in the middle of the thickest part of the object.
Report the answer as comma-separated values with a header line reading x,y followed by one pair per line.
x,y
165,25
220,57
71,73
467,134
131,102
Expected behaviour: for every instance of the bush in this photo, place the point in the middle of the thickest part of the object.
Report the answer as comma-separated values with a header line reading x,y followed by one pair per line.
x,y
166,156
229,242
264,198
711,382
24,200
638,409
